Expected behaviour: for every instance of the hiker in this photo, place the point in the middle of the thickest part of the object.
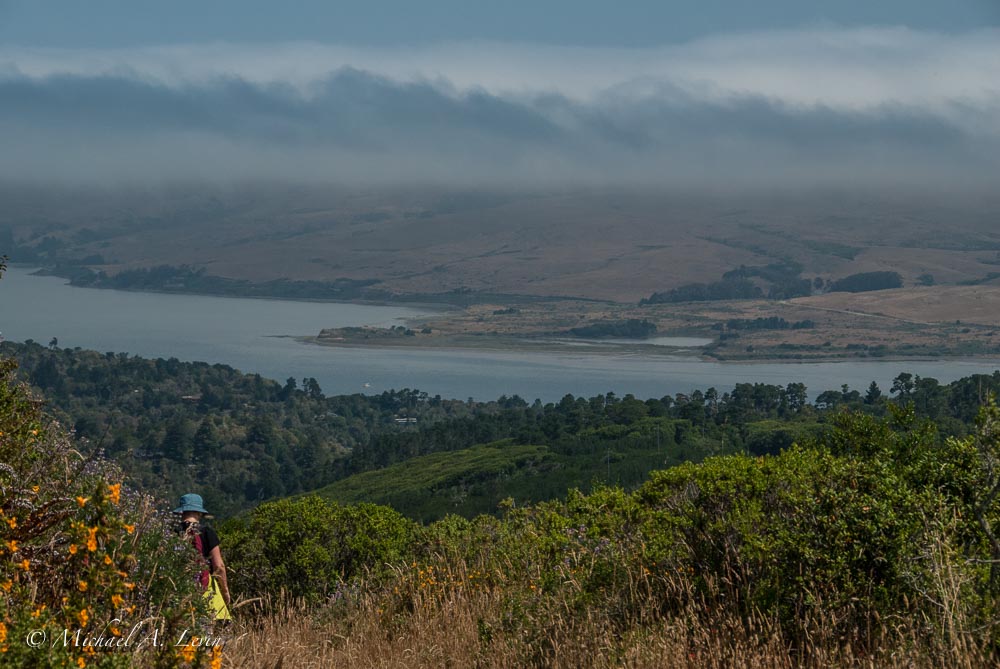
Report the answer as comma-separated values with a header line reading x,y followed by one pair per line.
x,y
206,542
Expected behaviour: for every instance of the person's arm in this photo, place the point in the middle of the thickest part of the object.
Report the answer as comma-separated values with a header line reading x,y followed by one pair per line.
x,y
219,572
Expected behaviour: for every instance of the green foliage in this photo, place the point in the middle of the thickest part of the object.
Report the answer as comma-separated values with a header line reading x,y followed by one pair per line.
x,y
307,547
865,281
175,426
241,439
469,481
183,279
782,279
860,524
731,289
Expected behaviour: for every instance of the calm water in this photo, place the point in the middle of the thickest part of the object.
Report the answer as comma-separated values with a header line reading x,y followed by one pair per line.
x,y
249,335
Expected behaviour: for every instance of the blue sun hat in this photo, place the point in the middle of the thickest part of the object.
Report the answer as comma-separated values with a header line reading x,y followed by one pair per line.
x,y
191,502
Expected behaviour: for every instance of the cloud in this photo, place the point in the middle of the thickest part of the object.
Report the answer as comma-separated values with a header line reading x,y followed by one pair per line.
x,y
800,107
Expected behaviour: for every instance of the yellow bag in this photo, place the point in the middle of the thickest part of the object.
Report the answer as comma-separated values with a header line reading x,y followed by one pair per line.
x,y
215,601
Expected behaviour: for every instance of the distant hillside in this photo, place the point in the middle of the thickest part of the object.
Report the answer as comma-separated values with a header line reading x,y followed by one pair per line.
x,y
469,482
618,246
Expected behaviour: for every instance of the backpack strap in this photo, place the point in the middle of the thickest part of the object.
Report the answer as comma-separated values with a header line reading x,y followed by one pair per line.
x,y
204,577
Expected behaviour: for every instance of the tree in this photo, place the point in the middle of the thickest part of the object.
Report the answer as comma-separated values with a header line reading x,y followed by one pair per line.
x,y
873,395
903,385
311,386
206,443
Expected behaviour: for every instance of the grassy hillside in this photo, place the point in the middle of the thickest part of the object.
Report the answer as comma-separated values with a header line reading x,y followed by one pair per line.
x,y
470,481
619,246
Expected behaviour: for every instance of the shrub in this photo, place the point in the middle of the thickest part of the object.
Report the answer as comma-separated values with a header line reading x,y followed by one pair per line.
x,y
307,546
82,557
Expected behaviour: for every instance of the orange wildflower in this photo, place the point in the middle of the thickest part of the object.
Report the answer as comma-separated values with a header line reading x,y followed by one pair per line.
x,y
83,617
12,545
107,559
92,539
82,500
25,564
82,585
117,600
130,528
72,549
115,493
188,651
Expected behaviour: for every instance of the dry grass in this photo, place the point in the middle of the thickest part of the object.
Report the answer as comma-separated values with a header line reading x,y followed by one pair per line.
x,y
485,628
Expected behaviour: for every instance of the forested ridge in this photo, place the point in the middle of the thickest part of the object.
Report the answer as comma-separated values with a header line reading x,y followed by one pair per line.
x,y
175,426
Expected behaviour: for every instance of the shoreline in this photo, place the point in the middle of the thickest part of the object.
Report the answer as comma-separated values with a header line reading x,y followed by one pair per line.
x,y
475,327
472,343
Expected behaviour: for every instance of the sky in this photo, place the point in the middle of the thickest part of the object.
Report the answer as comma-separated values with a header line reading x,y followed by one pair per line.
x,y
512,94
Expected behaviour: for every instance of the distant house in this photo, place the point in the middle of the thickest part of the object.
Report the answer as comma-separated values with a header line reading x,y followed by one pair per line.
x,y
405,421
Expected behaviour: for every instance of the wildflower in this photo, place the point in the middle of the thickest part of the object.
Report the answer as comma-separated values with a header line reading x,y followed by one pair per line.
x,y
92,539
81,500
117,600
34,433
83,617
107,559
188,651
130,586
3,632
80,662
72,549
130,528
12,522
38,611
6,585
35,488
12,545
116,493
82,585
25,564
216,657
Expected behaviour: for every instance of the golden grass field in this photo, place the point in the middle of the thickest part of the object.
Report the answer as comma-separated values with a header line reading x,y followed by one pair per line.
x,y
462,627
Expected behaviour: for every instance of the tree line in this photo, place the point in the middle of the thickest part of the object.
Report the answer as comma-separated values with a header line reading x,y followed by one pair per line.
x,y
175,425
